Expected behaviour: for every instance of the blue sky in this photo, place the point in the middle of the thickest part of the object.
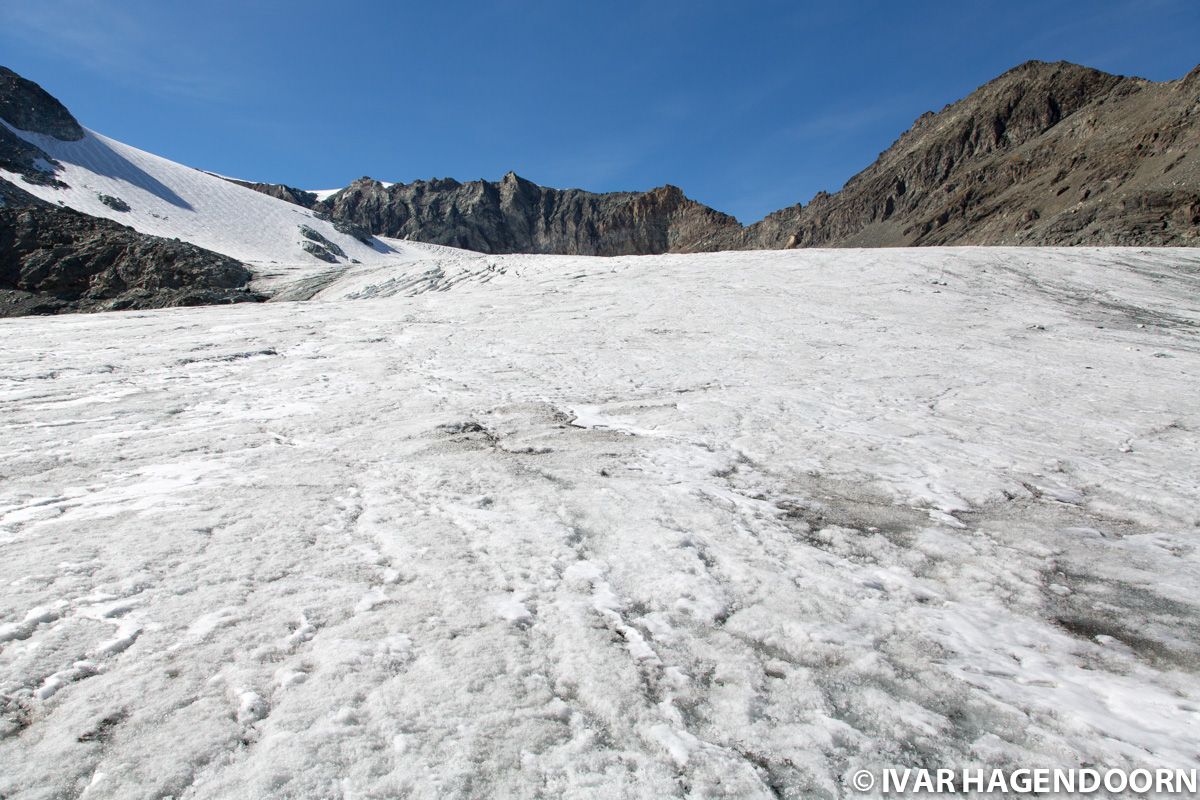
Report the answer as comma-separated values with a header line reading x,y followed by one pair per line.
x,y
749,106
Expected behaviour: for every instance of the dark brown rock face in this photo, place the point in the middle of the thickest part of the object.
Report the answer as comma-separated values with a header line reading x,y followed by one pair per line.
x,y
54,260
514,215
1046,154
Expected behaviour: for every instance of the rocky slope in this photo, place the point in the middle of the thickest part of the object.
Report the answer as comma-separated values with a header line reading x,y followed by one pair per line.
x,y
55,260
515,215
1046,154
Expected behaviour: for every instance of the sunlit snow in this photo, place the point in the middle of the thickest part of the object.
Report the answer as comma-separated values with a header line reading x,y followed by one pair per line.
x,y
534,526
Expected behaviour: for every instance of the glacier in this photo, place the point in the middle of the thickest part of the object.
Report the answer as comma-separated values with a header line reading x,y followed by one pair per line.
x,y
727,525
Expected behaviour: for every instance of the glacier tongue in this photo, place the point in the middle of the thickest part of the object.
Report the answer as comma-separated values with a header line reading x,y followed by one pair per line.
x,y
721,525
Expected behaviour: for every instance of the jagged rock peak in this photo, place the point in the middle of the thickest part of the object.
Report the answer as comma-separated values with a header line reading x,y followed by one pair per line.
x,y
29,107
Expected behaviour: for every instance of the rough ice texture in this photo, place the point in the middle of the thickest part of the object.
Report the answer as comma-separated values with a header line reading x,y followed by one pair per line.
x,y
720,525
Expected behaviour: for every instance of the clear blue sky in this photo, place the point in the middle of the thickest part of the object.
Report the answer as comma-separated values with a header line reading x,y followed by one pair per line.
x,y
749,106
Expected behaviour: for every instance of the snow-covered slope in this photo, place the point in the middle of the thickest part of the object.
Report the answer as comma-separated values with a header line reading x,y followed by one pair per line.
x,y
733,525
174,201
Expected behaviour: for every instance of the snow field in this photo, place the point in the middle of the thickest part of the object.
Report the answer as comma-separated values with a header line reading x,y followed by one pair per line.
x,y
727,525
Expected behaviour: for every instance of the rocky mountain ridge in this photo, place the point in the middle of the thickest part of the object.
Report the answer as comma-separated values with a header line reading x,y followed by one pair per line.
x,y
1045,154
515,215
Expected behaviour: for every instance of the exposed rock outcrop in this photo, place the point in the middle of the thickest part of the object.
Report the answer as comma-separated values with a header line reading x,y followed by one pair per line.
x,y
319,246
27,160
54,260
115,203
